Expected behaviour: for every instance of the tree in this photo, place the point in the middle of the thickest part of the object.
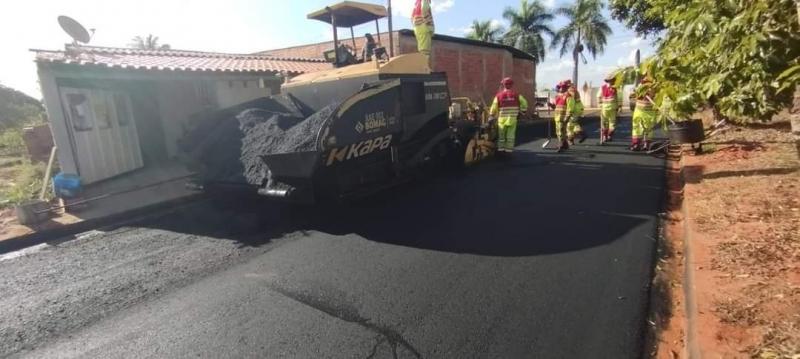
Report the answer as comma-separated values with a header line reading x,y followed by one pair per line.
x,y
741,58
637,15
17,108
148,43
485,31
528,24
587,29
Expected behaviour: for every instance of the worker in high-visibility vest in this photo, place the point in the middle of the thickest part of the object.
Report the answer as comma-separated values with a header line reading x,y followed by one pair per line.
x,y
422,18
559,105
506,107
574,112
644,116
609,100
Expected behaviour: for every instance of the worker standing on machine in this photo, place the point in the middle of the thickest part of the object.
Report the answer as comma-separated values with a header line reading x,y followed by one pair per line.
x,y
506,107
609,105
644,116
422,19
574,112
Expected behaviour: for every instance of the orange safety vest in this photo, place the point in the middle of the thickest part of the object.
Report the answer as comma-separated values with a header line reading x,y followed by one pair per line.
x,y
642,103
609,94
508,103
420,18
561,104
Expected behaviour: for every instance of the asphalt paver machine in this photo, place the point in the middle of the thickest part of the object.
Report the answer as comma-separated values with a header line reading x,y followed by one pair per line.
x,y
390,121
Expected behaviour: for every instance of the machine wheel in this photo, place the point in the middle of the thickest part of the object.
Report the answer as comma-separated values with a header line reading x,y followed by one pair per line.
x,y
472,153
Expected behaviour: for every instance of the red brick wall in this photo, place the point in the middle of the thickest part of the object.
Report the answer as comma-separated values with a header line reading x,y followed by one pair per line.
x,y
316,50
494,72
476,71
524,77
447,60
472,71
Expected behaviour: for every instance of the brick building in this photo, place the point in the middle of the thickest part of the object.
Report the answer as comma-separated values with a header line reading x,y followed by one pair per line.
x,y
474,68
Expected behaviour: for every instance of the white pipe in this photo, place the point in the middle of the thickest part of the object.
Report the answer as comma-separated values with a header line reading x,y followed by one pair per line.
x,y
47,172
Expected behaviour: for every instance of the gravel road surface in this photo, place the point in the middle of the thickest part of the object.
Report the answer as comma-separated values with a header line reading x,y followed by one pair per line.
x,y
545,256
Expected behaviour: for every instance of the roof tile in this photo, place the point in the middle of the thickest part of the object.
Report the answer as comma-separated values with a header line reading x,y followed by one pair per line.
x,y
179,60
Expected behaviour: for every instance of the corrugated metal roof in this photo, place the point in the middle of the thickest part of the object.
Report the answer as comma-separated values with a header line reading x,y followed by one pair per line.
x,y
179,60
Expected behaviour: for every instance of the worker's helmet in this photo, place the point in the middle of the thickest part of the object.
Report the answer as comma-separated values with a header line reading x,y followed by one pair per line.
x,y
610,77
507,82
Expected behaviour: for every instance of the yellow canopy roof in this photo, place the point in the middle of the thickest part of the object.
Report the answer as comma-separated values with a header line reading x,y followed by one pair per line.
x,y
350,13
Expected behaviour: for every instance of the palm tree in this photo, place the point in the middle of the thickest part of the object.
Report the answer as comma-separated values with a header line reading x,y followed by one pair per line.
x,y
587,28
148,43
528,23
485,31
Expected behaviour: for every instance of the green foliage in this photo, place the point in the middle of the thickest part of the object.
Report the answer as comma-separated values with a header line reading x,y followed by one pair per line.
x,y
18,109
26,185
637,15
11,143
739,57
528,24
586,26
148,42
485,31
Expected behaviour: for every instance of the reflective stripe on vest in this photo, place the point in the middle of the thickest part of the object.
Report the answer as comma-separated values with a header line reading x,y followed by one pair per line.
x,y
418,17
609,94
508,103
644,105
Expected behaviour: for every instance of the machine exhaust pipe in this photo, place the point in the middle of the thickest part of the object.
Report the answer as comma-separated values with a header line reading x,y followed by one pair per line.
x,y
271,190
275,192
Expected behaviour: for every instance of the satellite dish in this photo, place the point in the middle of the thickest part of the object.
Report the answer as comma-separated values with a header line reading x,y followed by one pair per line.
x,y
74,29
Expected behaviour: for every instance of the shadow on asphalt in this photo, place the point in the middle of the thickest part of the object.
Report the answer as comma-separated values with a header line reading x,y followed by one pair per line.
x,y
536,203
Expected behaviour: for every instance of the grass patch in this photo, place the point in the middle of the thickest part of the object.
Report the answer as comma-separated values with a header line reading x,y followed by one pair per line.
x,y
20,180
24,183
11,143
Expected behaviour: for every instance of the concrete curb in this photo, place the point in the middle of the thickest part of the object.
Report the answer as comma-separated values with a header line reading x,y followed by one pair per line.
x,y
690,304
52,234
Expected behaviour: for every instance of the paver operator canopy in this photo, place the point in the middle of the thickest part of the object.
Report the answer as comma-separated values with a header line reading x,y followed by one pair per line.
x,y
349,14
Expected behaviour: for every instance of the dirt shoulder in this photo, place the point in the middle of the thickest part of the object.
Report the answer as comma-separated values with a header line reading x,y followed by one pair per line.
x,y
742,199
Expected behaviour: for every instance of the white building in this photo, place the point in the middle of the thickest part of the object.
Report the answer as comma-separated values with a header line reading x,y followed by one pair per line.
x,y
115,110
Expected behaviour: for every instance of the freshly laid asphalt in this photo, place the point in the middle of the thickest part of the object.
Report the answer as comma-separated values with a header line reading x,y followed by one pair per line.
x,y
542,256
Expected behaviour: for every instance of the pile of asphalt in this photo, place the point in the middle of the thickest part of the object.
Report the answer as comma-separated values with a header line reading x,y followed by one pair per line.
x,y
269,133
228,145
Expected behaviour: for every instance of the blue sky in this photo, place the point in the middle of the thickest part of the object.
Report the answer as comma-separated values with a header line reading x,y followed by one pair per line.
x,y
246,26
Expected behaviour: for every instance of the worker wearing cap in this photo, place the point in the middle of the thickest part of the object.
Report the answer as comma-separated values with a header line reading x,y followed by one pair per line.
x,y
644,116
422,18
609,105
506,107
559,105
574,112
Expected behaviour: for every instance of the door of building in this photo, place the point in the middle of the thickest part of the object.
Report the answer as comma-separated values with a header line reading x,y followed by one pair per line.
x,y
104,134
